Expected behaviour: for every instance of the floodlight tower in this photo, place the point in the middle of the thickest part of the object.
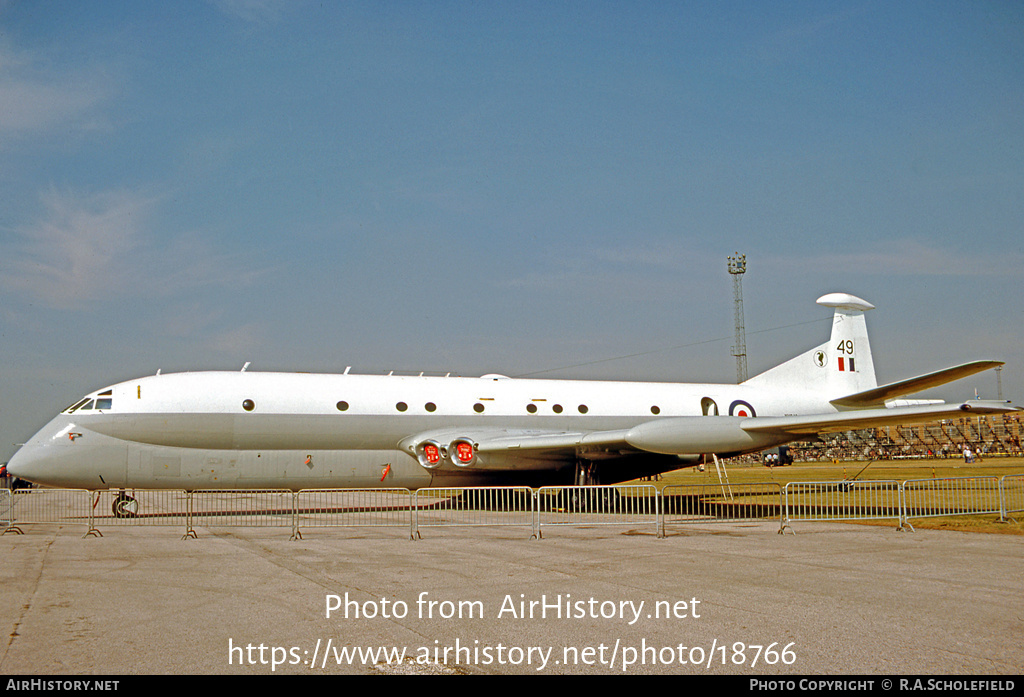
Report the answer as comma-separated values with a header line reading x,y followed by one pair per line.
x,y
738,267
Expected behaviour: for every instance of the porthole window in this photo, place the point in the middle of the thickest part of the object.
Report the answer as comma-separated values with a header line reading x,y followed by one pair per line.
x,y
401,406
430,406
248,405
583,409
478,408
655,410
557,408
342,406
532,408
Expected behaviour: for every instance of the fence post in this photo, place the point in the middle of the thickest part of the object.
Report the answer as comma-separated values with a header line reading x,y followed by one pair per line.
x,y
784,513
904,516
296,533
536,508
7,513
190,532
659,506
414,522
1005,504
93,531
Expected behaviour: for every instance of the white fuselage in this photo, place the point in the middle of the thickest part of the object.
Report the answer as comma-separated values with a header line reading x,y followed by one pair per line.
x,y
297,430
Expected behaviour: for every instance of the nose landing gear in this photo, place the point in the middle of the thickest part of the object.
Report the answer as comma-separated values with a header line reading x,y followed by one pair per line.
x,y
125,506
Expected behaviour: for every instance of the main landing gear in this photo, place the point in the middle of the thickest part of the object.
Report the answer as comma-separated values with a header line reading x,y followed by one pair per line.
x,y
586,474
597,500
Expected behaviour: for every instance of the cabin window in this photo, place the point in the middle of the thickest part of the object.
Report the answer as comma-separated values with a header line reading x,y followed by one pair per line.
x,y
342,406
532,408
248,405
401,406
655,410
478,408
583,409
557,408
430,406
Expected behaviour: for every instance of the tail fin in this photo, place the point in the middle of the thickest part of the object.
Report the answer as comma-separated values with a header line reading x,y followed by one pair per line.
x,y
842,366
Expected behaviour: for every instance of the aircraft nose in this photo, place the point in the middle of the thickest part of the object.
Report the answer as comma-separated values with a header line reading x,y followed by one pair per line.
x,y
20,465
34,460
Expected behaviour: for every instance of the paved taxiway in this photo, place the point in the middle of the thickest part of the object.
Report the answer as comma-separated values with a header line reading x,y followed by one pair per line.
x,y
844,599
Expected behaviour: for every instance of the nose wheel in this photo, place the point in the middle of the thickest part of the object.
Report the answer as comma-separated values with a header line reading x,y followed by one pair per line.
x,y
125,506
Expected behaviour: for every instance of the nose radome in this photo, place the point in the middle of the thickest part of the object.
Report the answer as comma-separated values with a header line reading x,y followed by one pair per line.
x,y
34,460
20,464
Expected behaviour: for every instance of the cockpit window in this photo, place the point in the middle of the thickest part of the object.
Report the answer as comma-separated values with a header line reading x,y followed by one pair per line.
x,y
89,404
76,405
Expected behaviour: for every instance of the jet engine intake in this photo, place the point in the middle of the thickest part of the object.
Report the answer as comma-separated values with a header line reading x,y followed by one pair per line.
x,y
462,452
430,454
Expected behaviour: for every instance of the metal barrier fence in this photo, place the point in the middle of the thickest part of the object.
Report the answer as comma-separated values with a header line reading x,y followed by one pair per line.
x,y
845,500
715,503
579,506
473,507
145,507
1012,488
254,509
932,498
331,508
61,506
6,502
631,504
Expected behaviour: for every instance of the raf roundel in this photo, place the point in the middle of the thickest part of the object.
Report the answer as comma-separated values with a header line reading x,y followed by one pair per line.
x,y
741,408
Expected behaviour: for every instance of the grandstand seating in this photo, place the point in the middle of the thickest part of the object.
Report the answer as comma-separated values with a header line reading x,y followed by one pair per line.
x,y
988,436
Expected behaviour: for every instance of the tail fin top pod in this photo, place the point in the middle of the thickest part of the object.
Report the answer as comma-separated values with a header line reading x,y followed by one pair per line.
x,y
851,367
842,366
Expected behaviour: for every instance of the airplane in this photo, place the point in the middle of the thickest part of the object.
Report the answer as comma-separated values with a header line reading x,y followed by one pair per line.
x,y
260,430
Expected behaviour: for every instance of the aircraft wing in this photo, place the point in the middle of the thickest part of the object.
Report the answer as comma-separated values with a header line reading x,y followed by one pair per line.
x,y
877,396
868,418
494,448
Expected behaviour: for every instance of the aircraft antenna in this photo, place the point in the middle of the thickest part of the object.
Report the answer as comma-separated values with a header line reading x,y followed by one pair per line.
x,y
738,267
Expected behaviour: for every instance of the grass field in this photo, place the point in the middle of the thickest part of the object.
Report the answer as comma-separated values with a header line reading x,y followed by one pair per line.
x,y
899,470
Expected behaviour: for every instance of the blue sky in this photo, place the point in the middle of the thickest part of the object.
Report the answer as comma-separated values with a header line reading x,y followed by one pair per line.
x,y
502,187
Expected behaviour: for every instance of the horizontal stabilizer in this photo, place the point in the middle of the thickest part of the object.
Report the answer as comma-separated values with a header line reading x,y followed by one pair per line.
x,y
877,396
871,418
